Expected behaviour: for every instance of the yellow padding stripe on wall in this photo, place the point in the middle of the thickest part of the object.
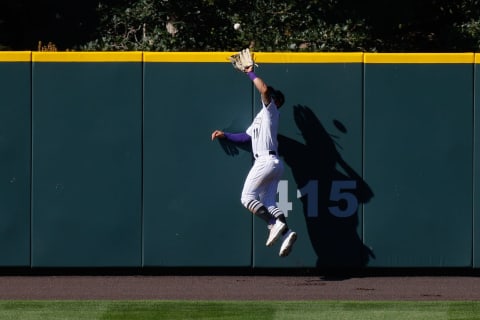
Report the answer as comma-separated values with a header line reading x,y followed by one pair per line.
x,y
198,57
133,56
15,56
187,56
222,57
419,58
309,57
259,57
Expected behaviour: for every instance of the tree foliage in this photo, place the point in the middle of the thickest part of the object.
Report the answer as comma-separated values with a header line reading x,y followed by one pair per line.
x,y
205,25
266,25
273,25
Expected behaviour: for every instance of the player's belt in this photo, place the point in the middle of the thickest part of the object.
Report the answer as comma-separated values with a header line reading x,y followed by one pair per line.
x,y
265,153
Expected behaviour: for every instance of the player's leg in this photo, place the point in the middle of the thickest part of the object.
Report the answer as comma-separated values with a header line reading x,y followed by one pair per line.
x,y
288,235
269,192
272,170
269,199
251,190
256,184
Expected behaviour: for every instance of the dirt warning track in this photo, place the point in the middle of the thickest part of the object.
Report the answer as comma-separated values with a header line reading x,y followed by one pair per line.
x,y
208,287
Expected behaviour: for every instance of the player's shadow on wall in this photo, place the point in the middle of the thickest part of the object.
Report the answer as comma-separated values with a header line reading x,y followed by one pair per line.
x,y
317,166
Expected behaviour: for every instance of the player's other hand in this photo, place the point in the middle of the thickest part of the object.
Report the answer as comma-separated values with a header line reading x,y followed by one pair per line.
x,y
217,134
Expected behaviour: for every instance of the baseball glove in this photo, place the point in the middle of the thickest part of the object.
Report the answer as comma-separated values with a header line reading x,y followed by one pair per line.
x,y
242,60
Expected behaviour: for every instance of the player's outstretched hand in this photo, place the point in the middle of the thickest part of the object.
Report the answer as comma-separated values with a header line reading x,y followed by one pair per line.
x,y
217,134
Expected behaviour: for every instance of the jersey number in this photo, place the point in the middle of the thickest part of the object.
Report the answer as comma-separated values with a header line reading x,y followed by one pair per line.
x,y
256,132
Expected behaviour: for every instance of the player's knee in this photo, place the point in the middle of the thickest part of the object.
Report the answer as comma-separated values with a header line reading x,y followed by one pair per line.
x,y
245,200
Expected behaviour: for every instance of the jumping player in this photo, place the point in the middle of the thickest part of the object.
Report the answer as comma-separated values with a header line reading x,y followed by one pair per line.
x,y
260,187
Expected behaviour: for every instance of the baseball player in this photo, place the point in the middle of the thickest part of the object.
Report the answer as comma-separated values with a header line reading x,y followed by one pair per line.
x,y
260,187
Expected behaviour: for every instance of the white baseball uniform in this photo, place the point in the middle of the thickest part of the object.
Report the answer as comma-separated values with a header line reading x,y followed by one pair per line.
x,y
262,180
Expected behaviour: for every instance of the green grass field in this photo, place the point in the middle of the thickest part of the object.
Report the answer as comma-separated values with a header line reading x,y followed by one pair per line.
x,y
238,310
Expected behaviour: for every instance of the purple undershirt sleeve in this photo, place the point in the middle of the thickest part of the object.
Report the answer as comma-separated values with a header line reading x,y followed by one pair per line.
x,y
237,137
252,75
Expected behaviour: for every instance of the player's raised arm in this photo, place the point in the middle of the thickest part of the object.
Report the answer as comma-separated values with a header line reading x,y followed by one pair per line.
x,y
259,84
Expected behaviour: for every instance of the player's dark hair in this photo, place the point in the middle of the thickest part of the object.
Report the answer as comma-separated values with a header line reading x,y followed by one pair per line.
x,y
280,97
276,95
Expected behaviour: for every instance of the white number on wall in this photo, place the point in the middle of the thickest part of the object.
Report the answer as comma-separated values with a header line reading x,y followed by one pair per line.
x,y
283,203
341,192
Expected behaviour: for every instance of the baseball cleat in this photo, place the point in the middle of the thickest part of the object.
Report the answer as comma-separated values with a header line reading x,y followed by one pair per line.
x,y
275,232
287,244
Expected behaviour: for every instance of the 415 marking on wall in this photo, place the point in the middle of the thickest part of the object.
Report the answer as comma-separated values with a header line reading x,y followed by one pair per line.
x,y
341,191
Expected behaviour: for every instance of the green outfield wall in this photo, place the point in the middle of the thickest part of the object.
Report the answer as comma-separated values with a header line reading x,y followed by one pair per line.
x,y
87,161
15,158
192,215
106,160
419,160
476,167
